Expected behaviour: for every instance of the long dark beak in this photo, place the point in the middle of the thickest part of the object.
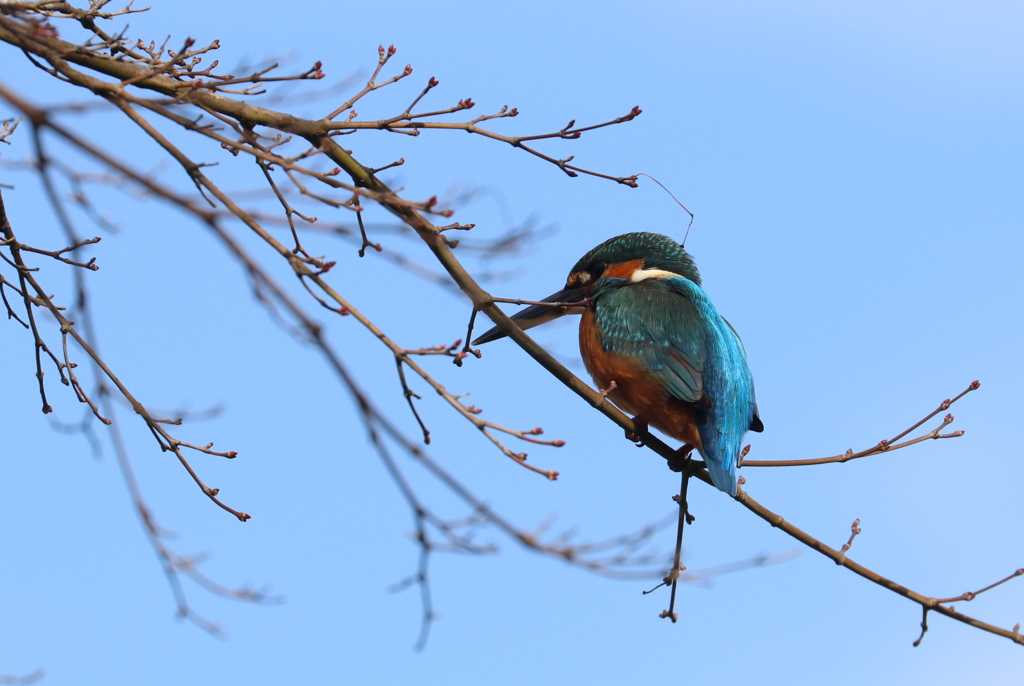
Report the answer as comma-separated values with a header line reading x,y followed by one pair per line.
x,y
534,315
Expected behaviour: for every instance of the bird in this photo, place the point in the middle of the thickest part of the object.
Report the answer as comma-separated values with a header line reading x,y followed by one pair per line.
x,y
654,343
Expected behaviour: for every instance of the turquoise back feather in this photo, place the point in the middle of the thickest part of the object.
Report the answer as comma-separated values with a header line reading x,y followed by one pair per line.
x,y
692,350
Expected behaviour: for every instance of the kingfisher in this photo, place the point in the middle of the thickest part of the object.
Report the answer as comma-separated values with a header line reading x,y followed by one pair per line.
x,y
654,343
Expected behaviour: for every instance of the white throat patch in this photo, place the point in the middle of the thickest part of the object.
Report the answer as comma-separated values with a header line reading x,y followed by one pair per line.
x,y
642,274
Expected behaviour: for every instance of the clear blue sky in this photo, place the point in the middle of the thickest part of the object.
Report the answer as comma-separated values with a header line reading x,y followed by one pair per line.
x,y
856,172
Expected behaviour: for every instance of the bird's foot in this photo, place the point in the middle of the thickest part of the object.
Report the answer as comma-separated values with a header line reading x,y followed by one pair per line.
x,y
603,392
641,427
678,461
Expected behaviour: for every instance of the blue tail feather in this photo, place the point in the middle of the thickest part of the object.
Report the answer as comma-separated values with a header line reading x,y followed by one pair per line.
x,y
730,388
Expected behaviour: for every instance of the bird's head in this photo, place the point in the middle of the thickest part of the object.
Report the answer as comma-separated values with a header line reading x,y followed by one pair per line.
x,y
631,257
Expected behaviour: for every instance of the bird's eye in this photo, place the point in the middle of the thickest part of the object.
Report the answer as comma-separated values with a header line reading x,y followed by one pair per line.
x,y
598,268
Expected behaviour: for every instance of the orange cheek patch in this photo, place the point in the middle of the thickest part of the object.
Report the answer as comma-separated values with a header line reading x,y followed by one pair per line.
x,y
624,270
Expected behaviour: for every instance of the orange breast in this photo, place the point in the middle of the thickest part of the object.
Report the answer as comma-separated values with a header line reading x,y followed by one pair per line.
x,y
637,391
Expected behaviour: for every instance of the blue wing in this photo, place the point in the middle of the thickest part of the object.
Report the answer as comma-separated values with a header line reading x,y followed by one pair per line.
x,y
674,328
648,321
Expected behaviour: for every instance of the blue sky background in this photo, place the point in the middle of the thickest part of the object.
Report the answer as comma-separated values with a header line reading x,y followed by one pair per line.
x,y
855,169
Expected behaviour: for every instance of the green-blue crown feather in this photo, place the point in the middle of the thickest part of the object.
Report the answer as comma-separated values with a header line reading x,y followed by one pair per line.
x,y
657,251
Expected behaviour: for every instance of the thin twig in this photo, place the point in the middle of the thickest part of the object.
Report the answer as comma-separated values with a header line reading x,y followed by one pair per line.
x,y
884,445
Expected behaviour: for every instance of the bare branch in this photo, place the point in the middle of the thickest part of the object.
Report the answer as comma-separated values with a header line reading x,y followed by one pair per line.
x,y
884,445
854,530
34,677
7,129
152,85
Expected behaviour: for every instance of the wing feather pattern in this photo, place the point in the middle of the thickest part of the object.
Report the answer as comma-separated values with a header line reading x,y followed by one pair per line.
x,y
664,329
